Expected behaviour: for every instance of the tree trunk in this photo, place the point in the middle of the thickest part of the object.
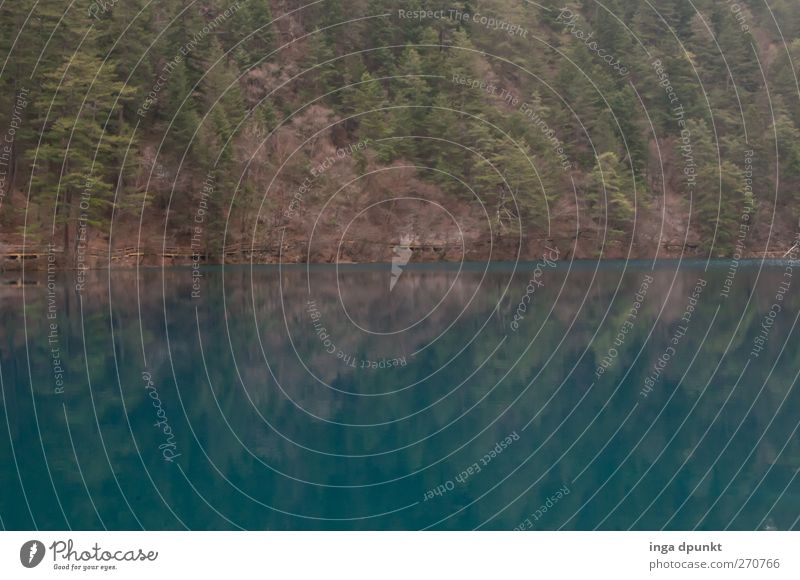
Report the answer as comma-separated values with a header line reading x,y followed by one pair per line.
x,y
69,239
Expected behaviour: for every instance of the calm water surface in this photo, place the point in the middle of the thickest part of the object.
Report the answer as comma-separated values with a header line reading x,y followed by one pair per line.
x,y
609,396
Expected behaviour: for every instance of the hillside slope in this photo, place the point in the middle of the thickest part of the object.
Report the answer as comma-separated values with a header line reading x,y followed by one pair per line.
x,y
255,130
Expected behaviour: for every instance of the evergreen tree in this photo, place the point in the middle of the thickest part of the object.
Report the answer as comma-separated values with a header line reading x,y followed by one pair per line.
x,y
369,96
254,18
77,151
788,161
610,195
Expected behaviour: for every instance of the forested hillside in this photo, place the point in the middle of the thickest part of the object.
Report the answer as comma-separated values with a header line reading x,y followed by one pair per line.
x,y
336,130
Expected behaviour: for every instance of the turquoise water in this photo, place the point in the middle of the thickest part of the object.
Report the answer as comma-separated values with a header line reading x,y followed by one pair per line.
x,y
584,396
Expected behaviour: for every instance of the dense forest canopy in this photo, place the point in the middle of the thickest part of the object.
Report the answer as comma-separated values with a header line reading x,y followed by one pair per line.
x,y
621,128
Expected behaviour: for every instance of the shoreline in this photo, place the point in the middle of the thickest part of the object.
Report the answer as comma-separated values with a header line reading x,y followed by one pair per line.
x,y
21,258
472,265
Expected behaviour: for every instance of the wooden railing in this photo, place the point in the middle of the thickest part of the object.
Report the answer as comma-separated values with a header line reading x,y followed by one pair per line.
x,y
19,252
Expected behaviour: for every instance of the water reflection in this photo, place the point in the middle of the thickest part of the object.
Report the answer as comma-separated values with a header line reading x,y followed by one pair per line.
x,y
322,399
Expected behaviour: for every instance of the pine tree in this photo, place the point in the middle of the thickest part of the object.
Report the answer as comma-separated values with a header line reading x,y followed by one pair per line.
x,y
369,96
324,70
123,32
788,160
631,135
718,205
412,93
77,151
527,196
610,195
254,18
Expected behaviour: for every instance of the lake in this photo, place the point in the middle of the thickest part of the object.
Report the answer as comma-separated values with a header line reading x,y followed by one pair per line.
x,y
610,395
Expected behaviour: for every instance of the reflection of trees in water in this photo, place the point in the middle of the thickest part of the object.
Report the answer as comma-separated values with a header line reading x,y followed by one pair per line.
x,y
369,300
